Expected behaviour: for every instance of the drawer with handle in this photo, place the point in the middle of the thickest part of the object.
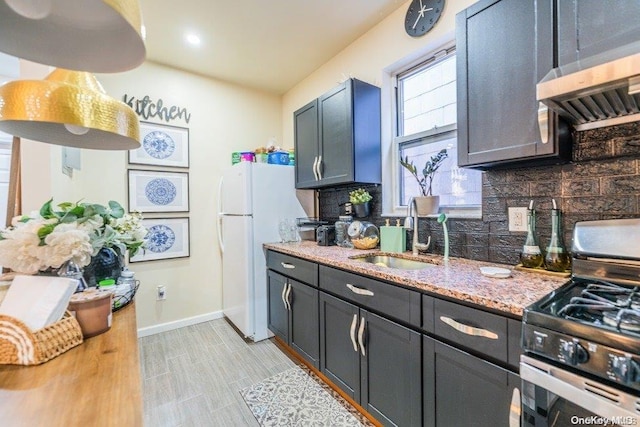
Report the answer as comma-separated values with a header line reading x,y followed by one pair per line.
x,y
480,331
396,302
296,268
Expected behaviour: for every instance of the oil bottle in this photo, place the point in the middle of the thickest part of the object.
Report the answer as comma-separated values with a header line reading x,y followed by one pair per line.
x,y
557,257
531,256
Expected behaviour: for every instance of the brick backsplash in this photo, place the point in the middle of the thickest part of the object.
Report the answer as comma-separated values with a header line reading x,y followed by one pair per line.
x,y
602,182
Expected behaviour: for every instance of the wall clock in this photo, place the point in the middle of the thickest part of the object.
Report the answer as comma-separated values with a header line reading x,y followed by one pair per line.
x,y
422,15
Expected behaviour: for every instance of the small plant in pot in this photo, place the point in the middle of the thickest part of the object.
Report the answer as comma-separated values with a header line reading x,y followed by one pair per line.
x,y
427,203
360,199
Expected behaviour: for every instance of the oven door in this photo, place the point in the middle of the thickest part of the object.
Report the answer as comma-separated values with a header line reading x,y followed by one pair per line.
x,y
552,396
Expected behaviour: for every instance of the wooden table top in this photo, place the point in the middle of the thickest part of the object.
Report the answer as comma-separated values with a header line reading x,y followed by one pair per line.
x,y
95,384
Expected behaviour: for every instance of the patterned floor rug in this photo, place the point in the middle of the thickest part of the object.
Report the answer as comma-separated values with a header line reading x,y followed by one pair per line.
x,y
297,397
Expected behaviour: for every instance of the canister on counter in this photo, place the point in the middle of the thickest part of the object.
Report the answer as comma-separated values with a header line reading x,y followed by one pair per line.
x,y
92,310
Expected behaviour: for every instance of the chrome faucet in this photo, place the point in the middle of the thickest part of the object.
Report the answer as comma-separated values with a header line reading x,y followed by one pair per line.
x,y
411,222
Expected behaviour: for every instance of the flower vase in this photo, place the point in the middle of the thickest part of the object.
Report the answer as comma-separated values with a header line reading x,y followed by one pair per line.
x,y
107,264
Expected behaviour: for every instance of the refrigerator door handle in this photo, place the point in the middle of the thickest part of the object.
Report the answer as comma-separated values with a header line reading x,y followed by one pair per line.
x,y
220,214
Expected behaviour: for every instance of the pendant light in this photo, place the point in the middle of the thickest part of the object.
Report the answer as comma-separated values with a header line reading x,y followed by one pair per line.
x,y
68,108
100,36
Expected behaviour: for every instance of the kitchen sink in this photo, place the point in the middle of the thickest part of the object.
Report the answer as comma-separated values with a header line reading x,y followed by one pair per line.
x,y
391,261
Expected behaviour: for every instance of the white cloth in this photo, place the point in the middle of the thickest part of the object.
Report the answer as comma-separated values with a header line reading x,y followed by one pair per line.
x,y
38,301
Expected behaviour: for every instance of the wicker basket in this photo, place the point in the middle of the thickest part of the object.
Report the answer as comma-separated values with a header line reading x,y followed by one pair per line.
x,y
21,346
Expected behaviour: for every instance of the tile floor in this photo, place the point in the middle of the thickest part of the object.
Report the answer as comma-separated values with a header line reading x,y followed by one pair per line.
x,y
192,376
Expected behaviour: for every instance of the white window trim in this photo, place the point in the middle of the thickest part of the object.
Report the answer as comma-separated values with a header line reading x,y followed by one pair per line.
x,y
389,151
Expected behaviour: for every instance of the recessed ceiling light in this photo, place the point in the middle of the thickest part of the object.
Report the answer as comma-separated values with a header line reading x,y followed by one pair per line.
x,y
192,39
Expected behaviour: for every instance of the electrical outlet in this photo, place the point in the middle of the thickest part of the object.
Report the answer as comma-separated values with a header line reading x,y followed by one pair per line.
x,y
517,219
162,293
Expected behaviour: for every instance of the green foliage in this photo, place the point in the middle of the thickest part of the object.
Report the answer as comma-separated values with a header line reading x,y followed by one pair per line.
x,y
103,236
428,172
359,196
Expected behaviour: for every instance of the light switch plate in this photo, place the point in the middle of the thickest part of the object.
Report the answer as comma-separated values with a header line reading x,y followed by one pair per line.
x,y
518,219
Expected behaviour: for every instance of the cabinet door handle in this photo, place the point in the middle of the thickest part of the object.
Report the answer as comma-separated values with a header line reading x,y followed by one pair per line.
x,y
318,166
287,265
287,297
515,409
359,291
352,332
361,337
469,330
284,291
543,122
315,168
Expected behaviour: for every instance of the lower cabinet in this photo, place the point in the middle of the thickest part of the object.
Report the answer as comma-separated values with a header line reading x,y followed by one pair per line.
x,y
293,315
373,360
463,390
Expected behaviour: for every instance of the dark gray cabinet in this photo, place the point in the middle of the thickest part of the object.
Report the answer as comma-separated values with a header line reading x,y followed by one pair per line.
x,y
278,313
504,47
305,123
406,357
337,137
293,315
372,359
590,27
463,390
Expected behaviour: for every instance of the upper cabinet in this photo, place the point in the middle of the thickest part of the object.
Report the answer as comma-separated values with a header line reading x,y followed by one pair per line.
x,y
504,47
591,27
337,137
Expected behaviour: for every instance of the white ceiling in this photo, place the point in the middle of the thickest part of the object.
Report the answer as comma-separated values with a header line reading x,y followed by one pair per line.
x,y
265,44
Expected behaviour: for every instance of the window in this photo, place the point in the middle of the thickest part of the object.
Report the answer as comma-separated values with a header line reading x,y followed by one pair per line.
x,y
425,115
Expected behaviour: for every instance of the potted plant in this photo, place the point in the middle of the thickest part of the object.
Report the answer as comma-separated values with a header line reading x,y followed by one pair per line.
x,y
360,199
427,203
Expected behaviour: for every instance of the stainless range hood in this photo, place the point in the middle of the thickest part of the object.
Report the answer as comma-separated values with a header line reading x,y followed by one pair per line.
x,y
602,90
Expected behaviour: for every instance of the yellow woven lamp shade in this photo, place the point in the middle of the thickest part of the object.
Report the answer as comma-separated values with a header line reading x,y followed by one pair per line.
x,y
68,108
89,35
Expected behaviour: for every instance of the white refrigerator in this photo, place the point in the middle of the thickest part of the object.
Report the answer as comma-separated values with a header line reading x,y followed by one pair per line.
x,y
253,198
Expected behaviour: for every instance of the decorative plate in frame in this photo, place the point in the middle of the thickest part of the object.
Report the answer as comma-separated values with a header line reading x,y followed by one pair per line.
x,y
158,191
167,238
161,145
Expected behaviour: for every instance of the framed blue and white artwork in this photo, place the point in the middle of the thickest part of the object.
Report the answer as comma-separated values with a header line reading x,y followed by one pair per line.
x,y
158,191
167,238
162,145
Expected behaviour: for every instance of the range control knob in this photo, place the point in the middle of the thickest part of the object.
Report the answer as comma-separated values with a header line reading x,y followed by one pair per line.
x,y
625,369
572,352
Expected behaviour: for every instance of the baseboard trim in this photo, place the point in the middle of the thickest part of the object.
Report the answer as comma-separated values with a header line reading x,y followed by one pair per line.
x,y
169,326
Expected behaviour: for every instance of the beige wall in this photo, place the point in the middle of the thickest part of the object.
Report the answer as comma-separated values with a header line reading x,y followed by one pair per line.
x,y
370,58
224,118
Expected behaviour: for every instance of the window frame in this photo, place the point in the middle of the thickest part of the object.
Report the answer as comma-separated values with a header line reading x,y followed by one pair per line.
x,y
391,143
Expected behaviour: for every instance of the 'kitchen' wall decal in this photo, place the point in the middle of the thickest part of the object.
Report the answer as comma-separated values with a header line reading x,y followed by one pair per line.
x,y
146,108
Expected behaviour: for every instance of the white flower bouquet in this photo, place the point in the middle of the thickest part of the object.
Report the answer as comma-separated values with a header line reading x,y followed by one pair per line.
x,y
75,232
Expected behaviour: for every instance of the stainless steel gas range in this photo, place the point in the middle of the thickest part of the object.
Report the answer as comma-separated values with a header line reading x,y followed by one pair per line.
x,y
581,364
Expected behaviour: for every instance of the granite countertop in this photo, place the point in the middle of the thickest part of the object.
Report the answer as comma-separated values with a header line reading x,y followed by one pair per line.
x,y
458,278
